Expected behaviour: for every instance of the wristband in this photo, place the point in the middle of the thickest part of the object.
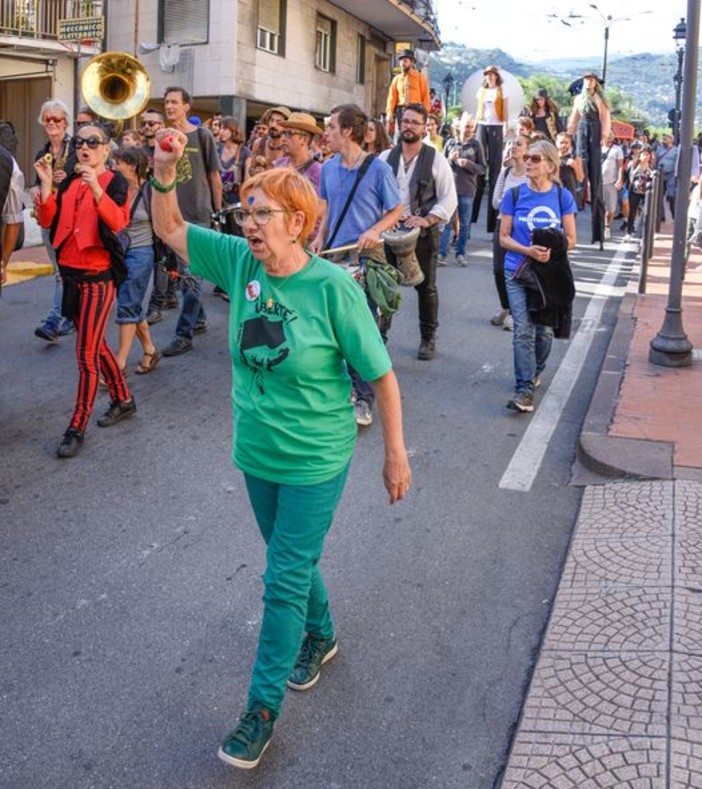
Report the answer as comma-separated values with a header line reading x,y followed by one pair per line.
x,y
163,188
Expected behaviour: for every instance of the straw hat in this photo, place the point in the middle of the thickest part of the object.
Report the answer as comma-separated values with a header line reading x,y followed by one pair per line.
x,y
301,121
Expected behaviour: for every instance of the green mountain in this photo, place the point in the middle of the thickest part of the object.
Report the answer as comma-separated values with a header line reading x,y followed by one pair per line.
x,y
645,79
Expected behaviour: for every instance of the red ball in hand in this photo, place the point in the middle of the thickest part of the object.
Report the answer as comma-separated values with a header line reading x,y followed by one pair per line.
x,y
167,144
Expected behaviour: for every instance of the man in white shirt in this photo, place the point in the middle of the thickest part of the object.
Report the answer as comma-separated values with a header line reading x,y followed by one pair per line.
x,y
428,193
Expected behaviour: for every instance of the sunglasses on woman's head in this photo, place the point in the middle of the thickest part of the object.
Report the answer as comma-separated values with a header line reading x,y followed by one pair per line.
x,y
91,142
53,119
533,157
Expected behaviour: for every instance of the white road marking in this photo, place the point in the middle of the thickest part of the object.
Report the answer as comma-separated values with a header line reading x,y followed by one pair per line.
x,y
526,461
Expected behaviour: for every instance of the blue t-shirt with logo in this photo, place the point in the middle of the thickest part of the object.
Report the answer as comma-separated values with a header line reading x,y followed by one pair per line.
x,y
376,195
532,210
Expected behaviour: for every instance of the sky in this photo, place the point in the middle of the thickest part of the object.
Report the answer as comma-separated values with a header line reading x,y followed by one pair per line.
x,y
534,30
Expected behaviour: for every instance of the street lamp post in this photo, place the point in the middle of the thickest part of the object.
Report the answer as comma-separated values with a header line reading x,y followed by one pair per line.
x,y
608,21
679,33
448,84
671,347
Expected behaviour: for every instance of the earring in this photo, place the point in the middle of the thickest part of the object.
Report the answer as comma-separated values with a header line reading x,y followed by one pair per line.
x,y
293,241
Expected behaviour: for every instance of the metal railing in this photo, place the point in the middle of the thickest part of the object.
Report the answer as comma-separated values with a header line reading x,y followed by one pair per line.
x,y
39,18
425,10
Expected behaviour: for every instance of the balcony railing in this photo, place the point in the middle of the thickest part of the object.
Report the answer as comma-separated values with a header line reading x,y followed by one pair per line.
x,y
424,9
39,18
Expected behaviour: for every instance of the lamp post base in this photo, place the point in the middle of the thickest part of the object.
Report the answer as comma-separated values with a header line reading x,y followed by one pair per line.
x,y
671,347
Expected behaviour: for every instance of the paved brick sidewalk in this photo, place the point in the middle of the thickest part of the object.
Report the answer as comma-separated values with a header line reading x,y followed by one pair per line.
x,y
616,696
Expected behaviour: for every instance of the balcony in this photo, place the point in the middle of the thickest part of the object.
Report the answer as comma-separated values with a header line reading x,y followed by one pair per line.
x,y
413,21
39,18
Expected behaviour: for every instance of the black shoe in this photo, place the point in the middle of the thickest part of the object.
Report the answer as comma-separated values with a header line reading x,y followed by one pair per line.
x,y
427,349
200,327
71,443
153,316
171,302
178,346
47,331
221,293
117,412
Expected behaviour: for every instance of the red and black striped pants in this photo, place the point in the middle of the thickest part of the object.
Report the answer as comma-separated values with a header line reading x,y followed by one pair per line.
x,y
95,300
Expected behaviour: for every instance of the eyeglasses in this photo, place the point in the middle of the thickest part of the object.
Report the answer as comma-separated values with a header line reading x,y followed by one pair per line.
x,y
152,123
288,133
412,123
260,216
533,157
53,119
91,142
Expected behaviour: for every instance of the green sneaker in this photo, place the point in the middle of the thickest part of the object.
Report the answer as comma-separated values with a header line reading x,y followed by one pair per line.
x,y
313,654
245,746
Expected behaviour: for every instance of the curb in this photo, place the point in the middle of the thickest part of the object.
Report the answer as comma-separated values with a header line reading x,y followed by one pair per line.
x,y
616,457
21,271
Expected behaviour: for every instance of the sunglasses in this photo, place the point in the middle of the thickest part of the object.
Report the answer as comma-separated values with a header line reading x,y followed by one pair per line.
x,y
152,123
91,142
53,119
533,157
260,216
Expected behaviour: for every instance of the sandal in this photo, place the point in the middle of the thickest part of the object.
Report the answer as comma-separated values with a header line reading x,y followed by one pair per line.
x,y
153,359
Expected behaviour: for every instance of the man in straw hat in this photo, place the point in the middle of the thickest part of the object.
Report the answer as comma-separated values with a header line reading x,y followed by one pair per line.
x,y
408,87
298,133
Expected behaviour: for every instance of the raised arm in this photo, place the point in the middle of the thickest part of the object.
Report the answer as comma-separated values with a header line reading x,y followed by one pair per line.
x,y
168,222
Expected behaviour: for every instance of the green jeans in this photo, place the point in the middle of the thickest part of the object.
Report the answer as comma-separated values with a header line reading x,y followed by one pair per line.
x,y
294,520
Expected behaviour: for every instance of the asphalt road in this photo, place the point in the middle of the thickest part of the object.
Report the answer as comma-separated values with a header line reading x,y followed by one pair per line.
x,y
130,576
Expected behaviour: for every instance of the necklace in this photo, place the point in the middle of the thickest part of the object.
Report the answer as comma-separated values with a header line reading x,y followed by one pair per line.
x,y
345,174
269,300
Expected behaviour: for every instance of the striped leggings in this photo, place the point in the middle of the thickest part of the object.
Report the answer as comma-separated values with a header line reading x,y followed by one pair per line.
x,y
94,356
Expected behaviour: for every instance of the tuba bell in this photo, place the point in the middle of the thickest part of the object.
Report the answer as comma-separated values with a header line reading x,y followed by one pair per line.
x,y
403,243
115,85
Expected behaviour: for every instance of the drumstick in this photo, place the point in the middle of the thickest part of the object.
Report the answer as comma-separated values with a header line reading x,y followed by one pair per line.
x,y
339,250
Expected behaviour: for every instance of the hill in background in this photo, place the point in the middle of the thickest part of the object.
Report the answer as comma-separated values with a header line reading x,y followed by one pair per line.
x,y
647,78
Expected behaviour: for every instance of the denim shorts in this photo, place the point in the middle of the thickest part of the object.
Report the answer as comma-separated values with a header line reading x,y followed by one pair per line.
x,y
140,264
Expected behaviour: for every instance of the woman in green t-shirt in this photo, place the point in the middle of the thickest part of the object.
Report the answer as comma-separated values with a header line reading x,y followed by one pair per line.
x,y
295,321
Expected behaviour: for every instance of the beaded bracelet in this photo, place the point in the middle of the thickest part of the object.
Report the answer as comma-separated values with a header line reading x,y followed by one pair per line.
x,y
163,188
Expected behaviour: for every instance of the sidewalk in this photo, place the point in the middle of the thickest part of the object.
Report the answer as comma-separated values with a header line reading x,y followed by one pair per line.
x,y
615,698
644,420
27,263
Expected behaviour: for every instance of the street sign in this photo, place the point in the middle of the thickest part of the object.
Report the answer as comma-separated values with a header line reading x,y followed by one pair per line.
x,y
87,29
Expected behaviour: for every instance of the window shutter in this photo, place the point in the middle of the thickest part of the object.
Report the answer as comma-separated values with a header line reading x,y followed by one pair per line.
x,y
185,22
269,15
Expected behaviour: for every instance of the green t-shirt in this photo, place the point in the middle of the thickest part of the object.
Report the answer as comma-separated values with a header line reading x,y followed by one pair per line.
x,y
289,338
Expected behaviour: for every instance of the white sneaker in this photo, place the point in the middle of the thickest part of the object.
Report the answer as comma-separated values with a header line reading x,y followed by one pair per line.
x,y
442,260
499,317
461,261
508,325
628,237
608,233
363,414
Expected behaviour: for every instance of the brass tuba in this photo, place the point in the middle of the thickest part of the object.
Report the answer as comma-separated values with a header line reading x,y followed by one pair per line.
x,y
403,243
115,85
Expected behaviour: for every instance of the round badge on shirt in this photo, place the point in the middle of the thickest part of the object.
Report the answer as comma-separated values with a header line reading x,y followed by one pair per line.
x,y
253,290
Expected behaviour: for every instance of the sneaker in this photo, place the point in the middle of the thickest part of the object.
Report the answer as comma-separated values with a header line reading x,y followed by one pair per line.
x,y
47,331
71,443
607,233
67,327
245,746
522,402
628,237
154,316
178,346
536,381
508,323
222,294
499,317
441,261
363,413
200,327
313,654
117,411
171,302
427,349
462,261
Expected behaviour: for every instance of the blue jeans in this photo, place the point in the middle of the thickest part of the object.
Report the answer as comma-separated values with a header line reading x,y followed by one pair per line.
x,y
54,316
465,209
192,311
130,298
294,520
531,343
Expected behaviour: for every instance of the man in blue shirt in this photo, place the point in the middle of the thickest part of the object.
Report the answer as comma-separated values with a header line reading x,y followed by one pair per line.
x,y
375,207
